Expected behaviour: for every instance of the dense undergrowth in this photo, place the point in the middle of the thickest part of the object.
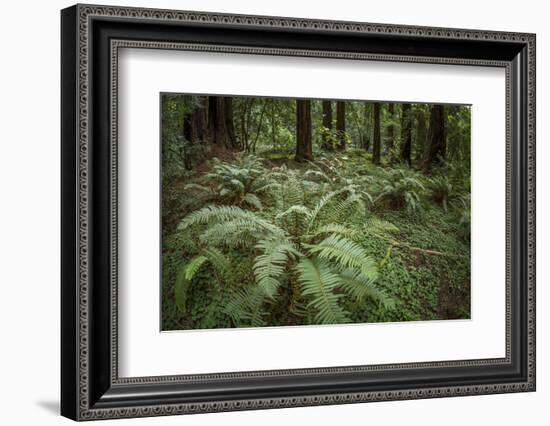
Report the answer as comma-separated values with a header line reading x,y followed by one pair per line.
x,y
265,241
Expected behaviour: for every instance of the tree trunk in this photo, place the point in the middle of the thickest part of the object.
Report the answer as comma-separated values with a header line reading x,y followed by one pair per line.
x,y
437,144
391,129
229,125
327,124
341,124
194,131
376,134
220,122
367,117
303,130
406,134
421,134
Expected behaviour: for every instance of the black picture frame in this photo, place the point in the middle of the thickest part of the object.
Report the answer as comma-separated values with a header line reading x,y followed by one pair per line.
x,y
90,386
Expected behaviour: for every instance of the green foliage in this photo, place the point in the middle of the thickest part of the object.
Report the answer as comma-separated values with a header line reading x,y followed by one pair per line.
x,y
441,190
463,208
319,250
319,282
298,232
255,240
239,183
401,189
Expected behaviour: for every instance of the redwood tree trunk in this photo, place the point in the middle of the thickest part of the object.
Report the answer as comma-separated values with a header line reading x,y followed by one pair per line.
x,y
437,144
406,134
376,134
303,130
229,125
366,112
220,122
391,129
341,124
421,133
327,123
194,131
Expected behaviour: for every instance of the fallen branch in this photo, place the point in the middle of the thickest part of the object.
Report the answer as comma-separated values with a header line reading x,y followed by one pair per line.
x,y
395,243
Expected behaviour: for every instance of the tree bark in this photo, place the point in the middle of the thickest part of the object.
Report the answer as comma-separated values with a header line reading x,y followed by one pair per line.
x,y
194,130
303,131
376,133
220,122
229,124
421,134
437,144
327,123
391,129
367,118
406,134
341,124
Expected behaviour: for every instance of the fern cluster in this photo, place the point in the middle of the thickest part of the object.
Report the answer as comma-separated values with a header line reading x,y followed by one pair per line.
x,y
303,256
280,245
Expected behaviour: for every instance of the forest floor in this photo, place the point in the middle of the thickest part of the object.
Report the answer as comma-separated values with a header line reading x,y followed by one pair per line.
x,y
414,227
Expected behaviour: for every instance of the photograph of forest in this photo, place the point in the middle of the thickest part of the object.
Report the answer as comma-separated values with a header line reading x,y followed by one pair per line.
x,y
290,212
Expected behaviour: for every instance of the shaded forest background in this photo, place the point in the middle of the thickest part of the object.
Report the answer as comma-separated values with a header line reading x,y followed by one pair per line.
x,y
358,210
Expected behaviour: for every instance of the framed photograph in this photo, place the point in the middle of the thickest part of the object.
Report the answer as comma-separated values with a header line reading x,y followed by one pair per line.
x,y
263,212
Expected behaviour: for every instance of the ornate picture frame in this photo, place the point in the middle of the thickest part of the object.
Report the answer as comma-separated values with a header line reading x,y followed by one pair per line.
x,y
91,37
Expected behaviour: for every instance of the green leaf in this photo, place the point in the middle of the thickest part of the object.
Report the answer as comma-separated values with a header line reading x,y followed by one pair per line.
x,y
270,265
185,274
253,200
361,286
345,253
319,282
193,266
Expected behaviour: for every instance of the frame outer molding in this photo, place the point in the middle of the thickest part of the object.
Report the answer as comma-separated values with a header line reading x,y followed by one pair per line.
x,y
76,402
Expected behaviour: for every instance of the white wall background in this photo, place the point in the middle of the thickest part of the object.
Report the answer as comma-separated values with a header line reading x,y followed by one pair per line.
x,y
29,211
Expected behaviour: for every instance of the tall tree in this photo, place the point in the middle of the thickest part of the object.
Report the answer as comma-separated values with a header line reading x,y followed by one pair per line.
x,y
437,144
229,124
367,118
303,130
327,124
376,133
194,121
341,124
194,127
391,127
406,134
220,114
421,113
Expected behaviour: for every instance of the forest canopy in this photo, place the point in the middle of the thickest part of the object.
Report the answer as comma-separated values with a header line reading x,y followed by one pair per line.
x,y
283,211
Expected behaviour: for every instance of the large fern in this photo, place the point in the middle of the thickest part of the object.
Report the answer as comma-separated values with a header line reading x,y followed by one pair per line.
x,y
302,252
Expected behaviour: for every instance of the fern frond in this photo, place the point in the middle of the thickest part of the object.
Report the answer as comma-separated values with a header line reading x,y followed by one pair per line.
x,y
253,200
198,187
222,265
267,187
334,228
346,253
234,233
244,306
374,224
292,192
219,214
270,265
180,289
322,205
317,174
185,274
193,266
319,282
361,286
